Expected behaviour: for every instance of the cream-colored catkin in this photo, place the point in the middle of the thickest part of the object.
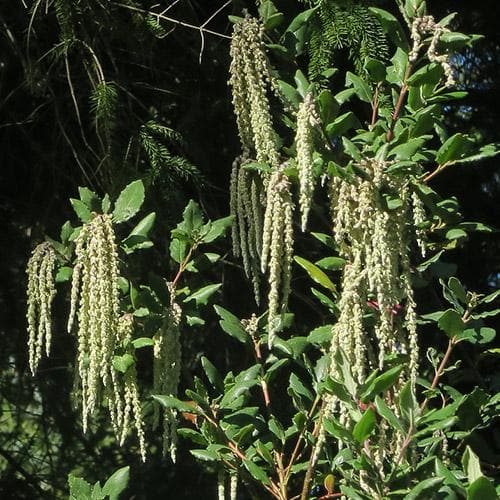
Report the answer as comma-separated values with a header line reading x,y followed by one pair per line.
x,y
245,206
126,399
95,303
40,295
221,485
233,485
250,81
307,119
374,238
166,373
427,25
277,247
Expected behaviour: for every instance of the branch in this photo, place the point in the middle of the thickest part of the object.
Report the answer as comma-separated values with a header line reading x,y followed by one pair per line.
x,y
172,20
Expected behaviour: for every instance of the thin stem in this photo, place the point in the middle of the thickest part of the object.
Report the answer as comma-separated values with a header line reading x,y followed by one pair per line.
x,y
295,452
172,20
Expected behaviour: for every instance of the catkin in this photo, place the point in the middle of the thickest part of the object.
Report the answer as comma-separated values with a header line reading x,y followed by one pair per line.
x,y
166,373
374,238
277,247
95,303
40,294
307,118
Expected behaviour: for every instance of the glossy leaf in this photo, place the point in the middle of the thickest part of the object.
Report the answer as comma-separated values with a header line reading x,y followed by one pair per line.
x,y
116,483
129,202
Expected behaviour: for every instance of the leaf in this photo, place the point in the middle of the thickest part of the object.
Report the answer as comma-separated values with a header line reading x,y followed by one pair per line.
x,y
482,335
407,403
176,404
90,199
217,228
321,335
342,124
212,374
362,430
301,82
142,342
315,273
116,483
381,383
63,274
386,413
81,210
470,462
178,250
205,455
426,486
192,219
299,388
123,363
202,295
408,149
129,201
331,263
451,323
391,26
337,430
192,435
455,148
144,226
79,489
481,489
376,69
457,288
362,89
328,106
231,324
257,472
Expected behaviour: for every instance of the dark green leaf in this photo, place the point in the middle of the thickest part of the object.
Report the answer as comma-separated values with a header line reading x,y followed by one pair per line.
x,y
64,274
321,335
123,363
231,324
331,263
217,229
129,201
257,472
455,148
425,488
386,413
81,210
451,323
176,404
381,383
202,295
79,489
90,199
481,489
315,273
342,124
205,455
143,342
212,374
363,429
362,89
116,483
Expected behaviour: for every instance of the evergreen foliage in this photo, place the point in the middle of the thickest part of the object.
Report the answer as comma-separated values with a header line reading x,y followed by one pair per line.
x,y
344,24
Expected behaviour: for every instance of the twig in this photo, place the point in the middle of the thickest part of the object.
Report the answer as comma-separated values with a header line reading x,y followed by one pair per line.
x,y
172,20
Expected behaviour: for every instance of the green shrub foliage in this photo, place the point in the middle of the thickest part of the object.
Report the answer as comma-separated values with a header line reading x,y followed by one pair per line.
x,y
355,402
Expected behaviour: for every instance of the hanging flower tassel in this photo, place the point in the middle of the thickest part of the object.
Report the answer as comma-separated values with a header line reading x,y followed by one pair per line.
x,y
166,373
95,303
277,247
307,119
40,294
